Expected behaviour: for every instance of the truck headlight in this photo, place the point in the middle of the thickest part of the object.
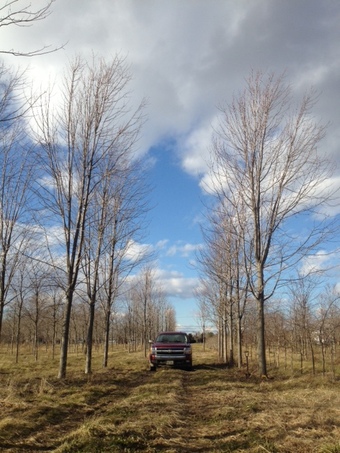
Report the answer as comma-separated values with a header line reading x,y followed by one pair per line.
x,y
187,351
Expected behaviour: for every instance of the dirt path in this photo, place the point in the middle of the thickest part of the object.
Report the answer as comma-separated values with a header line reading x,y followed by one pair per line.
x,y
193,431
195,436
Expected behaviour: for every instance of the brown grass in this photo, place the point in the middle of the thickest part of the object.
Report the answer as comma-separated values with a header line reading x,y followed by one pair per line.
x,y
126,408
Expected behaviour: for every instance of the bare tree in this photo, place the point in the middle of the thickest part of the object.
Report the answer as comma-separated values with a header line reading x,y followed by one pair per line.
x,y
116,219
36,303
20,291
20,14
16,172
212,292
75,139
265,165
168,320
215,260
145,291
54,316
125,201
203,310
148,307
223,261
303,300
327,321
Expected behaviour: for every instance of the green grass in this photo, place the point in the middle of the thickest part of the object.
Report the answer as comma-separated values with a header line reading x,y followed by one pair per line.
x,y
126,408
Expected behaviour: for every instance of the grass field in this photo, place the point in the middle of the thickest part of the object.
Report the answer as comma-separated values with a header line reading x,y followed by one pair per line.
x,y
127,408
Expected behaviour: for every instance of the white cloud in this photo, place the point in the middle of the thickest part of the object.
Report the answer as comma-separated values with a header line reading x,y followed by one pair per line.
x,y
315,263
332,186
196,151
135,251
162,244
183,250
175,284
188,57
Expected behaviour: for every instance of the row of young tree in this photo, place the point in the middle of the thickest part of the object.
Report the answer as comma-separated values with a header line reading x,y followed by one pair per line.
x,y
271,190
35,320
309,328
73,199
302,330
73,203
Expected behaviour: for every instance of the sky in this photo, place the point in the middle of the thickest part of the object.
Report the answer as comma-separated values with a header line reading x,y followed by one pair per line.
x,y
187,57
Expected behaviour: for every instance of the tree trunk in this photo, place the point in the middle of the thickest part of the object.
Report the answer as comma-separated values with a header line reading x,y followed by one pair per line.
x,y
2,307
231,335
18,334
107,338
65,337
89,339
261,345
225,340
239,341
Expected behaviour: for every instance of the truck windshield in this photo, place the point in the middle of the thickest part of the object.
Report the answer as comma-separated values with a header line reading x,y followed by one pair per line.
x,y
178,338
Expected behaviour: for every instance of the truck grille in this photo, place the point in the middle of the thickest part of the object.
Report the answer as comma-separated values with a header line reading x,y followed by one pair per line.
x,y
169,352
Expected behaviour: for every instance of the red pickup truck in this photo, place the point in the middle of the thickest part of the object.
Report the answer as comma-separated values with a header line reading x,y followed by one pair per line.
x,y
171,348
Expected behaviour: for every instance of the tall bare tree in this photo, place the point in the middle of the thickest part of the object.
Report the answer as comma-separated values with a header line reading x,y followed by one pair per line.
x,y
327,321
126,204
148,307
20,289
76,138
303,308
266,166
36,303
223,261
116,215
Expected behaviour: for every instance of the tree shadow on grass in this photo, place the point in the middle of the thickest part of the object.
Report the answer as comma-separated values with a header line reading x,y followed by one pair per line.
x,y
232,373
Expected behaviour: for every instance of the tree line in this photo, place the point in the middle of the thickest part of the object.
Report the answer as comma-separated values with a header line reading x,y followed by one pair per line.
x,y
74,200
35,320
269,211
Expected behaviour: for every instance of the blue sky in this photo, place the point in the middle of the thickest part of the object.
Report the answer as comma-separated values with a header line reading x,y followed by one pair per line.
x,y
175,229
186,58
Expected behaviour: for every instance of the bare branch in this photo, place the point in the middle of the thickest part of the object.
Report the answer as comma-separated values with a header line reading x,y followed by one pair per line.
x,y
21,15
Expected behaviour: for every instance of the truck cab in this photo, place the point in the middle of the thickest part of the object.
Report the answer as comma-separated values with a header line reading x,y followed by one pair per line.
x,y
170,348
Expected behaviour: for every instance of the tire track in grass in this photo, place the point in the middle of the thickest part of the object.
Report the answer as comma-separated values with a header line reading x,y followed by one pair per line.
x,y
203,424
189,406
195,408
